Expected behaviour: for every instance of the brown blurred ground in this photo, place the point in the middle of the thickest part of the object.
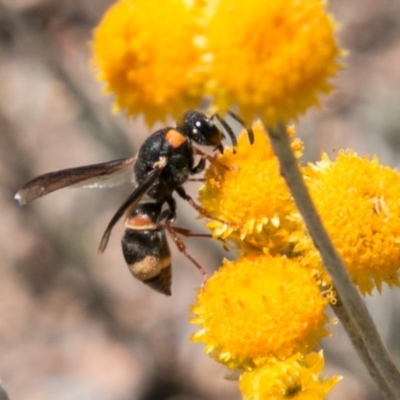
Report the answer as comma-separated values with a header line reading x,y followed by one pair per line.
x,y
74,325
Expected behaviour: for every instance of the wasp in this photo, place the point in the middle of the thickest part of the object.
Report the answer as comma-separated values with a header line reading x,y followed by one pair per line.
x,y
165,161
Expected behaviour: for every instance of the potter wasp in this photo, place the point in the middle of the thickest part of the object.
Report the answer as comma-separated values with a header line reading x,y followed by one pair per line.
x,y
165,161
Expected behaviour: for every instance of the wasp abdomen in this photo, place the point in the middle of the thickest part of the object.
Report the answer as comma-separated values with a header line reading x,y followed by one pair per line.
x,y
147,254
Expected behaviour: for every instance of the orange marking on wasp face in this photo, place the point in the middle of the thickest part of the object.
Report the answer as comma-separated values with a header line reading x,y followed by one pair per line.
x,y
139,222
175,138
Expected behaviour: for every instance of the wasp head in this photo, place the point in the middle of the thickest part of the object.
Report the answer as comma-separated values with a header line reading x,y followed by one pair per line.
x,y
201,129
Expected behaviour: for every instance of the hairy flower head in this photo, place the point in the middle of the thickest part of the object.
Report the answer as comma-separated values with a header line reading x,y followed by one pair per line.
x,y
358,201
259,308
252,197
271,58
297,378
146,53
268,58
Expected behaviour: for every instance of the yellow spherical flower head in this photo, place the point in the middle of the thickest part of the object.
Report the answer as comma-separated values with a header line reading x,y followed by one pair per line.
x,y
358,201
146,53
252,197
259,308
271,58
298,378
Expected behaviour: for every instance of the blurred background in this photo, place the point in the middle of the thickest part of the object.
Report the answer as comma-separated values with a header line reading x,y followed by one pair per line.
x,y
76,325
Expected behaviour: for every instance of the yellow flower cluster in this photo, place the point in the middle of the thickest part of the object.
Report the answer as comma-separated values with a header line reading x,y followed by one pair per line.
x,y
258,312
259,308
268,58
263,313
358,201
251,197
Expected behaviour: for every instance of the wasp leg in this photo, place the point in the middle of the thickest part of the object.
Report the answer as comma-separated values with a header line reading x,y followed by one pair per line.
x,y
189,233
214,161
182,248
196,180
201,165
201,210
170,214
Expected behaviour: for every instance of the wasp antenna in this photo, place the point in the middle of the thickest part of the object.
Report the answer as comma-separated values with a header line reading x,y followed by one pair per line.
x,y
250,132
228,129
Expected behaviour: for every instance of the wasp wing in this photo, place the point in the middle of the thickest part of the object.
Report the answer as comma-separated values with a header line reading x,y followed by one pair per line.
x,y
96,175
130,203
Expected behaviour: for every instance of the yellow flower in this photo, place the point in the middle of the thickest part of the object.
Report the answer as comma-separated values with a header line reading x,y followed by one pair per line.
x,y
358,201
146,53
298,378
252,198
271,58
259,308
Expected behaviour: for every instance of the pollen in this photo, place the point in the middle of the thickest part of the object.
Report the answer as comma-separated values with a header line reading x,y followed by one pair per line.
x,y
259,308
251,196
358,200
271,58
